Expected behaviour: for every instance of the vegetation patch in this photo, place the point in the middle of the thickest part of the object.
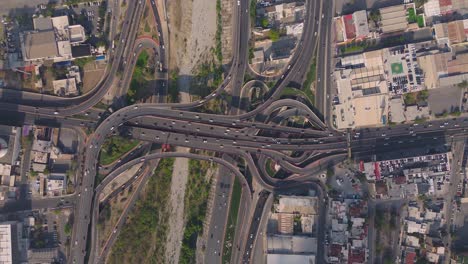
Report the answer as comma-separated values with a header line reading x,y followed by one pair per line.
x,y
143,238
232,221
397,68
81,62
219,32
412,18
416,97
173,91
274,35
195,205
253,11
293,92
270,167
420,20
310,78
114,147
142,74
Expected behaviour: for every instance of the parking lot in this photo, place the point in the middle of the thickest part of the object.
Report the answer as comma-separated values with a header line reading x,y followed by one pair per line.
x,y
90,15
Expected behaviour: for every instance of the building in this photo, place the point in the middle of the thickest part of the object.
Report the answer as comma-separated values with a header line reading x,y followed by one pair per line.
x,y
353,26
393,19
65,87
441,68
443,7
290,258
288,244
348,232
451,33
6,254
45,255
14,242
291,230
51,39
56,184
304,205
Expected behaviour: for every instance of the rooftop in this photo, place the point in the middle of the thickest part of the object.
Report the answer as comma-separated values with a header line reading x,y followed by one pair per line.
x,y
287,258
40,45
298,204
292,244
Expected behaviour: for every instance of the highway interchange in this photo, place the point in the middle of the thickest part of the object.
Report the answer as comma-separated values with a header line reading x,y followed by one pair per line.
x,y
254,136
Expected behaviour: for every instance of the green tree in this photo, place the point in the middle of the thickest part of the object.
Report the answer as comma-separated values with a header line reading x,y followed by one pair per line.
x,y
375,16
274,35
419,3
264,22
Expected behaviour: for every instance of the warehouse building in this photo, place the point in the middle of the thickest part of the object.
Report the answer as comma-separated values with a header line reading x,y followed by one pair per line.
x,y
51,39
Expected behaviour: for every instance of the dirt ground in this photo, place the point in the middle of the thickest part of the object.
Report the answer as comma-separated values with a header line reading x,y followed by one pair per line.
x,y
92,74
387,233
176,226
193,29
147,25
105,229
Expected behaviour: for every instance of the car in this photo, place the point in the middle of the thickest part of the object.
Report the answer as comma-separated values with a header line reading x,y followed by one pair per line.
x,y
56,113
238,3
135,107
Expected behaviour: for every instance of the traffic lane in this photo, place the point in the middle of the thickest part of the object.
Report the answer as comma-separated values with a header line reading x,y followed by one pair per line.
x,y
218,146
122,187
242,227
244,143
13,206
221,126
135,152
14,118
448,125
219,216
222,162
215,130
84,204
118,227
254,225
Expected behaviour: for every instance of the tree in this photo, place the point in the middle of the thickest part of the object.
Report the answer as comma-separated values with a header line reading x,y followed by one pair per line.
x,y
264,22
419,3
273,34
375,16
